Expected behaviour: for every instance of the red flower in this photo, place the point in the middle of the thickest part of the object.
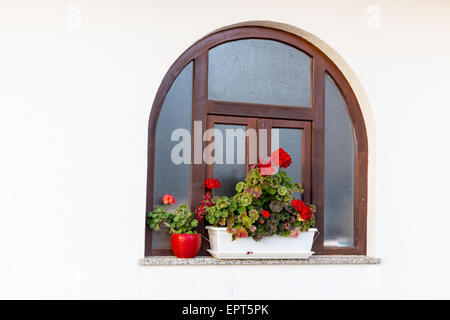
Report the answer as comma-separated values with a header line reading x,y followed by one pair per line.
x,y
212,183
168,199
281,158
265,213
265,168
303,209
298,205
200,210
306,213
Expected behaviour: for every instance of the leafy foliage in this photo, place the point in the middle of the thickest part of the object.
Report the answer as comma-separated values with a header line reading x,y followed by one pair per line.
x,y
263,205
181,220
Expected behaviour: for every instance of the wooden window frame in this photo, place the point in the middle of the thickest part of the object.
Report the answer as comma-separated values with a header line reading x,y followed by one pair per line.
x,y
314,114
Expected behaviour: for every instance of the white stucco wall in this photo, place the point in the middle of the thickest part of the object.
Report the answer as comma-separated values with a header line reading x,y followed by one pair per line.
x,y
77,79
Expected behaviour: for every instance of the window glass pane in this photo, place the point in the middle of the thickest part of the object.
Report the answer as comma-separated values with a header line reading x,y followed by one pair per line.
x,y
339,168
172,178
259,71
230,168
291,140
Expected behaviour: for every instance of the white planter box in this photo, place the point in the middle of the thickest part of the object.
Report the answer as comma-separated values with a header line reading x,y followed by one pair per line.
x,y
222,245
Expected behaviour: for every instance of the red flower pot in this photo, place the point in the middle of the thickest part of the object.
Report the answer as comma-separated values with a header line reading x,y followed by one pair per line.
x,y
185,245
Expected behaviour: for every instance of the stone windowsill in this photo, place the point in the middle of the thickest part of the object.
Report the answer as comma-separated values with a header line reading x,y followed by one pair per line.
x,y
208,260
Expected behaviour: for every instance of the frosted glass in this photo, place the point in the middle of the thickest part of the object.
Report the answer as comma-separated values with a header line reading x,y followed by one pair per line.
x,y
259,71
339,169
232,170
291,140
171,178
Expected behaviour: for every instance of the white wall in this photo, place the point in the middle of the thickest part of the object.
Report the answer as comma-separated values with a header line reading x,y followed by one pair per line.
x,y
75,97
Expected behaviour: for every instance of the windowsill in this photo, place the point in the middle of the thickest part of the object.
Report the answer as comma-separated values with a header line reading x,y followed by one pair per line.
x,y
208,260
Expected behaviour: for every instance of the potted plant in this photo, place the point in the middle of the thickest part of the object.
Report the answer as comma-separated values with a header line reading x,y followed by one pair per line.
x,y
262,219
181,223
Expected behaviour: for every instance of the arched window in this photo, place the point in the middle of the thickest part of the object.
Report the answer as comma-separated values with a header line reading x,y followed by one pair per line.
x,y
260,77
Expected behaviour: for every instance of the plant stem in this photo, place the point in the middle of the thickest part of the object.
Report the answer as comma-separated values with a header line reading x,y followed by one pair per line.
x,y
170,227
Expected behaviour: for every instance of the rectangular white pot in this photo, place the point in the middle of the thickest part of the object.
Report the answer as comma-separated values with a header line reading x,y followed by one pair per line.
x,y
275,246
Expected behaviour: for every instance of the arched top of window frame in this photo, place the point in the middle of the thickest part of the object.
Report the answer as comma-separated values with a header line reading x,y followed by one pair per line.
x,y
321,66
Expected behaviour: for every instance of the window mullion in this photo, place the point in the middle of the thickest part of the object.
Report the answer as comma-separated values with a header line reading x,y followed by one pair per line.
x,y
318,148
199,113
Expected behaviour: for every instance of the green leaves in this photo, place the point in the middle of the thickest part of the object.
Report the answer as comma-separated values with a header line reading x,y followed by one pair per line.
x,y
245,200
224,202
241,209
223,209
282,191
253,214
182,220
240,186
256,193
297,187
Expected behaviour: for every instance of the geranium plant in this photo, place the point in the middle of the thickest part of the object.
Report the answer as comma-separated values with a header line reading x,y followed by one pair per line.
x,y
181,220
264,204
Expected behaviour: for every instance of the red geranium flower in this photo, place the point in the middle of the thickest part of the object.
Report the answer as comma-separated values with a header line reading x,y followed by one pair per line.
x,y
298,205
212,183
265,213
200,210
168,199
306,213
280,158
303,209
209,184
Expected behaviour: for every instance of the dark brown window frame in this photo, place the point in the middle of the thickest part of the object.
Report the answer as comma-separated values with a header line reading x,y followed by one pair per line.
x,y
202,107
